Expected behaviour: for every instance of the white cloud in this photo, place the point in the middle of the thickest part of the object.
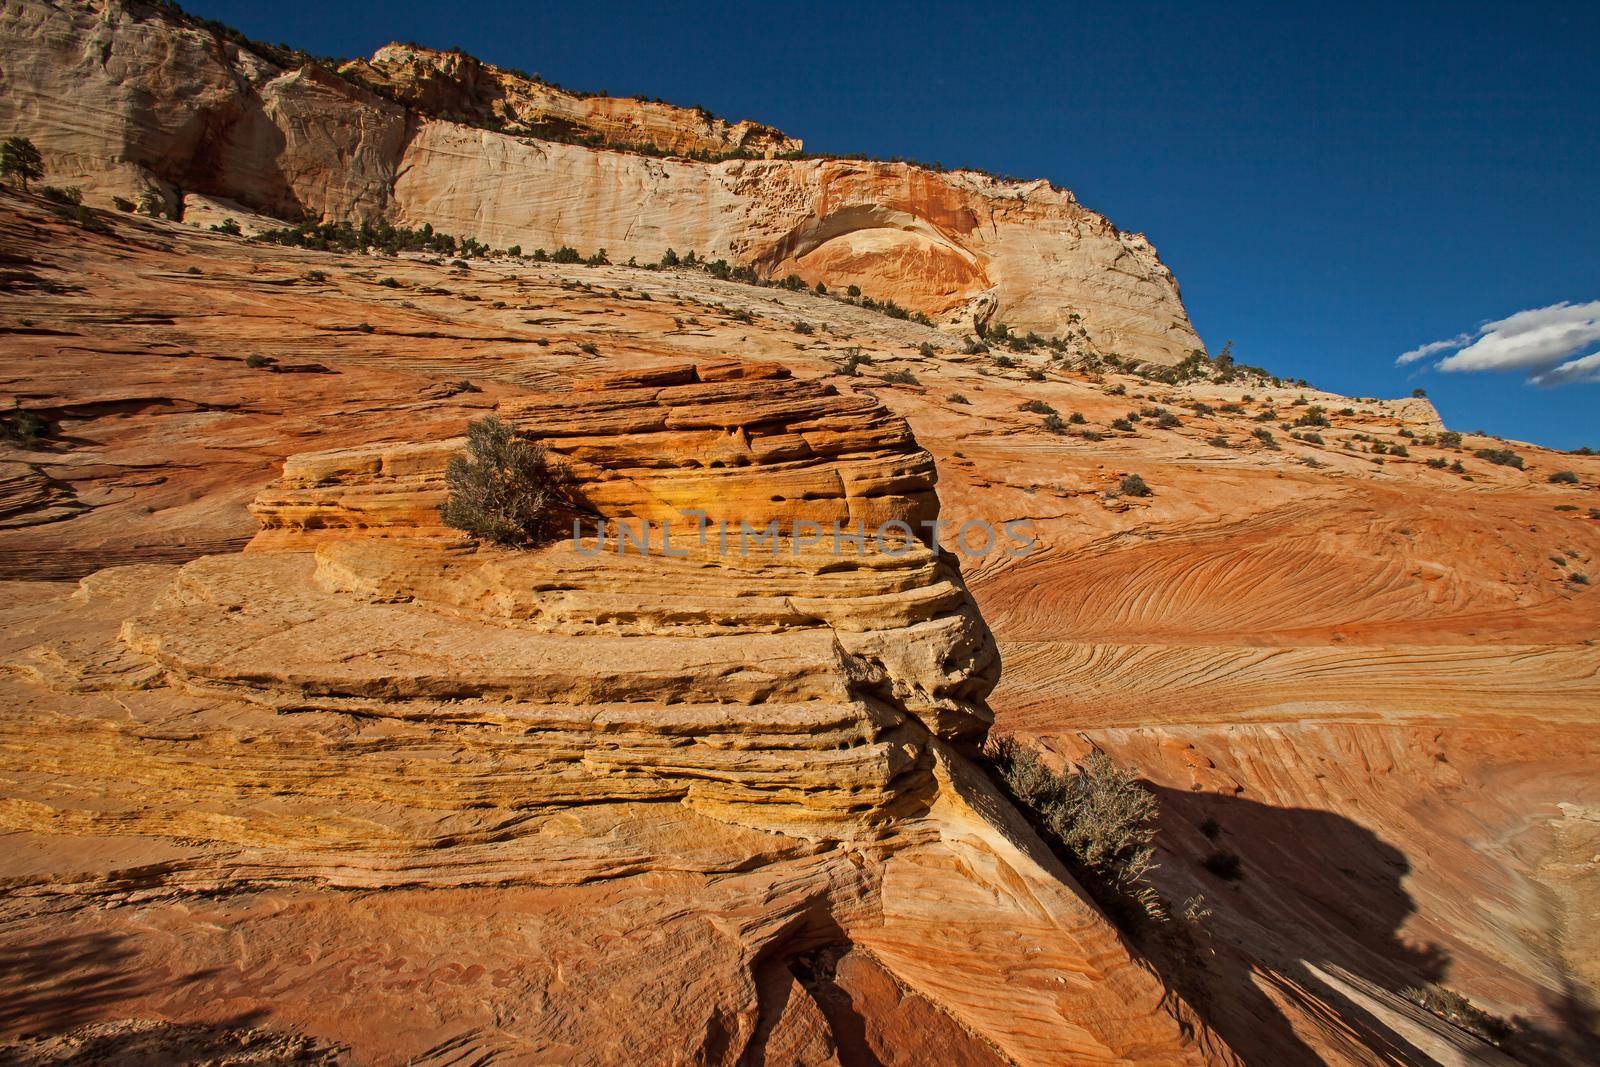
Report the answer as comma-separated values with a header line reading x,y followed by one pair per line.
x,y
1573,371
1546,342
1424,351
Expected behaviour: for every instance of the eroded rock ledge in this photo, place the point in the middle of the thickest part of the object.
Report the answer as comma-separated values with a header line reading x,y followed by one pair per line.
x,y
761,756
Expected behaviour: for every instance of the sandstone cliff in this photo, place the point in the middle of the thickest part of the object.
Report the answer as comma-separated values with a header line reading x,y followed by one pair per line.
x,y
124,99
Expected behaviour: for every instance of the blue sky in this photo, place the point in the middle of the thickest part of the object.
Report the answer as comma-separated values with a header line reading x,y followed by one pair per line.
x,y
1334,185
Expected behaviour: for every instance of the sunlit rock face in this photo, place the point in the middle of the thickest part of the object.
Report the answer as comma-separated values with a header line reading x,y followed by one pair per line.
x,y
183,115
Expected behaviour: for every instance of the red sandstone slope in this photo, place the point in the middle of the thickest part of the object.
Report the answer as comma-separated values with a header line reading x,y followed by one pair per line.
x,y
1376,680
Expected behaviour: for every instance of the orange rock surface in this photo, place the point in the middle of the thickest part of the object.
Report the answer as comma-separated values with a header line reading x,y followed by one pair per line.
x,y
367,784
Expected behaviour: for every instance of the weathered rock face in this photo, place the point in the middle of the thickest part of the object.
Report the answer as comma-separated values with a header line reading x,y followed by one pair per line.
x,y
179,111
724,793
1374,678
457,86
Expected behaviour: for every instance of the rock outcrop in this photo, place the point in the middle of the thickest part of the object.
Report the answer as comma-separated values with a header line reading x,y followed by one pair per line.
x,y
764,753
456,86
1365,674
180,110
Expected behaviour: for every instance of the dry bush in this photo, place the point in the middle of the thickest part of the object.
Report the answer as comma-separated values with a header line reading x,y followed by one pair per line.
x,y
1098,814
505,489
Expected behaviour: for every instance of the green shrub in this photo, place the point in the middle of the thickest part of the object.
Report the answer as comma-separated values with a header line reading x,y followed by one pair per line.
x,y
804,328
926,350
390,282
1076,419
1564,478
1168,421
1038,407
1315,415
1117,390
1449,439
71,196
256,361
1133,485
505,489
900,377
229,227
21,160
1121,424
1054,424
1500,457
959,398
1264,435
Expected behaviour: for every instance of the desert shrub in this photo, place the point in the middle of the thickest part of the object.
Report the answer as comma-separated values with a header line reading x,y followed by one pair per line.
x,y
1438,463
566,254
1224,864
1449,439
390,282
1054,424
1264,435
1121,424
804,328
316,276
820,289
958,398
900,377
1101,820
1315,415
1399,450
589,348
926,350
1500,457
256,361
1133,485
21,160
1168,421
21,428
1200,407
1564,478
1211,828
1003,360
854,292
1457,468
1038,407
1456,1009
1580,579
122,203
969,347
229,227
1035,374
505,488
71,196
1076,419
1117,390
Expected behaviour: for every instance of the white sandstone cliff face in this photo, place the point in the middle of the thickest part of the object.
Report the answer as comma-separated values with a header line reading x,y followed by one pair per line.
x,y
123,100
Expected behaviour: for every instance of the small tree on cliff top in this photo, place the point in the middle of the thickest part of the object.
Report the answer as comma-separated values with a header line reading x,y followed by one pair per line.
x,y
19,158
505,489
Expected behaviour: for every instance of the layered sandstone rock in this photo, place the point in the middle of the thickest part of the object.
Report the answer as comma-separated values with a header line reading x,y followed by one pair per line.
x,y
764,752
457,86
178,110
